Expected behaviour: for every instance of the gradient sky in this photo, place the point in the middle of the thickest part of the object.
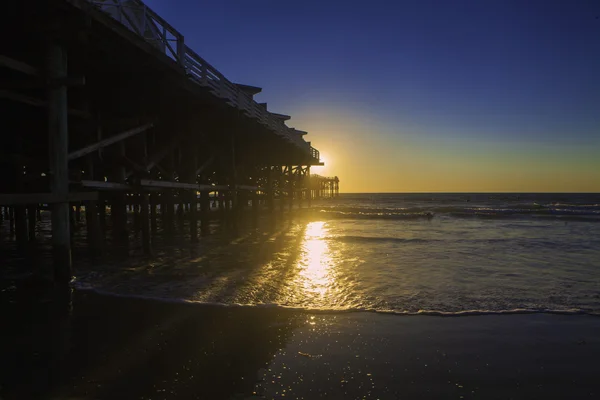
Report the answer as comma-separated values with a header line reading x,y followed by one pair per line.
x,y
403,96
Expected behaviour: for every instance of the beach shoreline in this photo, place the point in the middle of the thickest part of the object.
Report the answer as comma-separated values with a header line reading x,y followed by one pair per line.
x,y
119,347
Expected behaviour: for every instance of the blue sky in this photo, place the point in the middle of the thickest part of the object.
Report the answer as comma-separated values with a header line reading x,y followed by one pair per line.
x,y
454,80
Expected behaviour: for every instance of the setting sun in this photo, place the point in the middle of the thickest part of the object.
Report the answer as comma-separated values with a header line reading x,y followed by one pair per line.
x,y
324,169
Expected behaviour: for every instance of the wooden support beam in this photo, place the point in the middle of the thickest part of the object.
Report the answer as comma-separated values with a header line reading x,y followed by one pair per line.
x,y
18,66
205,165
247,187
45,198
5,94
180,185
102,185
107,142
157,157
168,184
41,84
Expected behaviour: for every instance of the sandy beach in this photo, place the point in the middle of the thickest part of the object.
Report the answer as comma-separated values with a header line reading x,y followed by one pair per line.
x,y
107,347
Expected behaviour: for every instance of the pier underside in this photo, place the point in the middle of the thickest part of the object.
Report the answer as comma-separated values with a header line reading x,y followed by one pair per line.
x,y
106,110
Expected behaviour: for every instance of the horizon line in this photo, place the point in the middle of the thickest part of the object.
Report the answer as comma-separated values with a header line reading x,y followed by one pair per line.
x,y
438,192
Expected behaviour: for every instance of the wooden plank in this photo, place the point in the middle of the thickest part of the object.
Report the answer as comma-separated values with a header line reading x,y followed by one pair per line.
x,y
107,142
9,199
18,66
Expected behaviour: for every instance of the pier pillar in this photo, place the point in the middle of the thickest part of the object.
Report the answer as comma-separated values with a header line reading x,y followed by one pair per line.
x,y
145,223
204,212
308,185
135,202
92,222
21,229
290,188
300,185
153,203
168,201
255,207
221,202
193,197
56,68
234,193
118,207
102,214
270,191
93,227
31,221
181,205
11,220
169,211
281,185
78,213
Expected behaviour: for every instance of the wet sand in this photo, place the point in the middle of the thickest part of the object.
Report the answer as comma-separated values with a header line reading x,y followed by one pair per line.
x,y
105,347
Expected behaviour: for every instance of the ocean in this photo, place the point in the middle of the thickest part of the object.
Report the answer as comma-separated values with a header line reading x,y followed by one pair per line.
x,y
439,254
352,298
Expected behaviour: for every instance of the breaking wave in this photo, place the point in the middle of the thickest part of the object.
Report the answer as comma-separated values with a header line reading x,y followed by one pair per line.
x,y
433,313
558,211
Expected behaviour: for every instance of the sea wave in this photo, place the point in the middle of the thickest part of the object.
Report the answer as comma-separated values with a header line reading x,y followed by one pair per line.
x,y
589,213
431,313
383,239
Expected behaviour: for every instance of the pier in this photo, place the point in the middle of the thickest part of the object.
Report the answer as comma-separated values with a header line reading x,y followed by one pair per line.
x,y
112,124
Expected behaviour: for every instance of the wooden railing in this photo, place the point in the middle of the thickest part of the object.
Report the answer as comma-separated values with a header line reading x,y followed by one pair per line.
x,y
139,18
314,153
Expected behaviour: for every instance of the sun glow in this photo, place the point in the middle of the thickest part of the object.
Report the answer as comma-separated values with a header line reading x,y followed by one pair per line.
x,y
322,170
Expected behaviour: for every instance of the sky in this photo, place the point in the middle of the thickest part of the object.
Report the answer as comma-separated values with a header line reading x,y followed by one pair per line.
x,y
420,96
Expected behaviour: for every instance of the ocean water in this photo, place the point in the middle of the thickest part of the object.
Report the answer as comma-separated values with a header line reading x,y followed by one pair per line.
x,y
447,254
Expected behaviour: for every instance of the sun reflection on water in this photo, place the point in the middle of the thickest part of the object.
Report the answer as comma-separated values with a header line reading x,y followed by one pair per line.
x,y
315,277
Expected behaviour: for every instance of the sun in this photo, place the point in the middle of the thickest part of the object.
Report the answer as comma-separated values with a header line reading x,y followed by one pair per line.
x,y
321,170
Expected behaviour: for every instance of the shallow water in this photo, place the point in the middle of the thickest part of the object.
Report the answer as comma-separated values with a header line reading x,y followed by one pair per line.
x,y
419,253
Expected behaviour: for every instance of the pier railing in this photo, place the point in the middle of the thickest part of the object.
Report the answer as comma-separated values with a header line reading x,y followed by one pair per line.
x,y
139,18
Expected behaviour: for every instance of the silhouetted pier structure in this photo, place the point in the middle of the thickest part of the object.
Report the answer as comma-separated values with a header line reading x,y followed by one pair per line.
x,y
323,186
106,109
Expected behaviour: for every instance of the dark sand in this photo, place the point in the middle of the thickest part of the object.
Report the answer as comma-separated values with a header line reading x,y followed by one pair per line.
x,y
122,348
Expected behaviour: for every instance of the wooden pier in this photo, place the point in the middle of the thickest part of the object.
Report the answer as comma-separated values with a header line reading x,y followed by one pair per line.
x,y
107,113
